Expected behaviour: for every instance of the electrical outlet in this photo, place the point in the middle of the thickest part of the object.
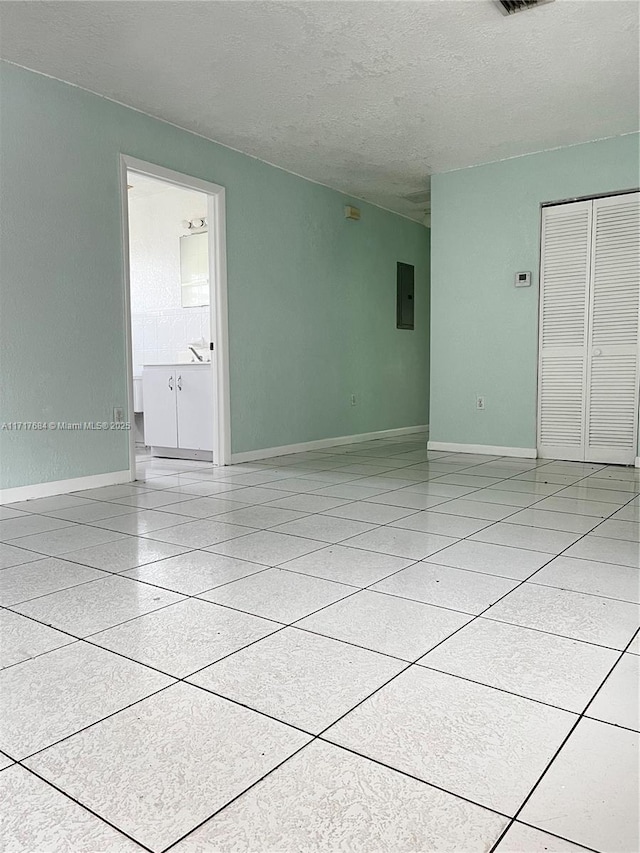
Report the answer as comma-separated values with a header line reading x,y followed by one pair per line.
x,y
480,404
118,415
353,399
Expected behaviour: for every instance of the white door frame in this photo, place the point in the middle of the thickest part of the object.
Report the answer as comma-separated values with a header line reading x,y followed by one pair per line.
x,y
219,324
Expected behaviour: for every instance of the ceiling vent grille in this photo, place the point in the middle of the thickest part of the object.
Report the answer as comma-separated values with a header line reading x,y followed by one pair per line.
x,y
510,7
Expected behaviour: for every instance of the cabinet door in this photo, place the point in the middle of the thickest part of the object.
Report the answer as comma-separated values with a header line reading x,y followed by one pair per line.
x,y
159,395
195,407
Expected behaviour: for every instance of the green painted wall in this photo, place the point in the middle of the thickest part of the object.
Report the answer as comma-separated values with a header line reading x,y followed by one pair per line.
x,y
311,295
484,331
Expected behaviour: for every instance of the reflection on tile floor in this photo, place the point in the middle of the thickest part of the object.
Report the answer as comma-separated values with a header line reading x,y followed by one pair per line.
x,y
367,648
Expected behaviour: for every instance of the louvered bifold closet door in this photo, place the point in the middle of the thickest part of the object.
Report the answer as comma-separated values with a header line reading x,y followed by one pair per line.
x,y
612,370
564,305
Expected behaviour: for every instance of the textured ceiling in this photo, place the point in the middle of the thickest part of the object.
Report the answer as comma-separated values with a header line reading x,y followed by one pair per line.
x,y
367,97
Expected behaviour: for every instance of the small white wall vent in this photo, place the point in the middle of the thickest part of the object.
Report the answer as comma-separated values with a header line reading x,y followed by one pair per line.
x,y
510,7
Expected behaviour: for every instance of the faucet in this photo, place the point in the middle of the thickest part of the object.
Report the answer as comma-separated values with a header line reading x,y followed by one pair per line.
x,y
196,353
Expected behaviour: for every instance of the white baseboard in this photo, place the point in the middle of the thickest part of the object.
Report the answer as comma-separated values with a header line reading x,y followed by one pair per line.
x,y
489,449
637,461
61,487
267,452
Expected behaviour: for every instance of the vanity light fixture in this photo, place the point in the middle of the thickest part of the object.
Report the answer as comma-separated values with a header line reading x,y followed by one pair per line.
x,y
198,224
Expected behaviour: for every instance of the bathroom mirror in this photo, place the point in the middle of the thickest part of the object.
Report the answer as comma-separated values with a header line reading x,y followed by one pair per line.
x,y
194,269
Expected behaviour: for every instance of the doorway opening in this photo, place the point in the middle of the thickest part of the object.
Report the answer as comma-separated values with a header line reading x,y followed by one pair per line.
x,y
176,316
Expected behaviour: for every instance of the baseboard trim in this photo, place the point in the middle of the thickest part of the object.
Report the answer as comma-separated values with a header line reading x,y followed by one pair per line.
x,y
488,449
61,487
637,461
285,449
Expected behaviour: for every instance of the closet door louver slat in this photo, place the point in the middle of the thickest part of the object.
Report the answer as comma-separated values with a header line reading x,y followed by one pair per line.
x,y
564,304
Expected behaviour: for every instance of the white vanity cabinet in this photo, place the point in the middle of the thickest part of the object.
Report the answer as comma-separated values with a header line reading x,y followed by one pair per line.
x,y
178,408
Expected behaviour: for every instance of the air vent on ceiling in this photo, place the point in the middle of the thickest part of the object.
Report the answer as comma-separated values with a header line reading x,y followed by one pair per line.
x,y
510,7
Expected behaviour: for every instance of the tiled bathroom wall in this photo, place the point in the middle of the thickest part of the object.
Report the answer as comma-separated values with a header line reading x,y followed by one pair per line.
x,y
161,328
162,337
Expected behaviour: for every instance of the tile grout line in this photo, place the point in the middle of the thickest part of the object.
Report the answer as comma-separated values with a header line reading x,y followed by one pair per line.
x,y
344,749
82,805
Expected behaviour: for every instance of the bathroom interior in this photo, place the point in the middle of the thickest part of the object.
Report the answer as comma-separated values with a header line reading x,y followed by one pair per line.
x,y
170,319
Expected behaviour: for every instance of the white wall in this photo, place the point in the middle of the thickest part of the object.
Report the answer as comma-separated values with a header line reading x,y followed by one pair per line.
x,y
161,327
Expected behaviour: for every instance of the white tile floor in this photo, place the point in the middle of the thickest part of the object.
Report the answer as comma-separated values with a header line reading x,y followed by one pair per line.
x,y
369,648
